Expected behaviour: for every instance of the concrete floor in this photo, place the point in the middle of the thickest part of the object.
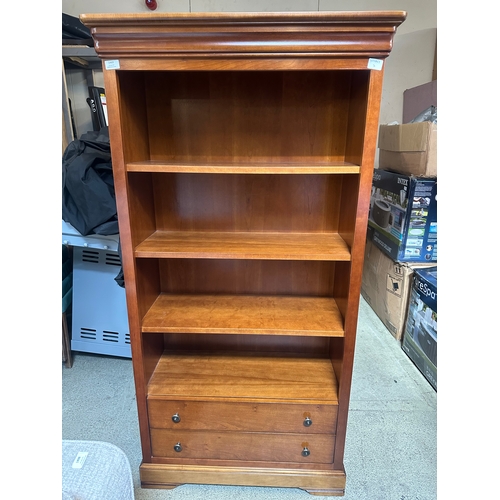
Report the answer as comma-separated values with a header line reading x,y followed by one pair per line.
x,y
391,437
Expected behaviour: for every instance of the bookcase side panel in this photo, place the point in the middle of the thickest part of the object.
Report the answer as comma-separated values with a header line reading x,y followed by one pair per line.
x,y
353,271
121,125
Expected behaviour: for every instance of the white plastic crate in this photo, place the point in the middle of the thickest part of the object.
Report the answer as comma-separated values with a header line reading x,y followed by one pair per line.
x,y
99,316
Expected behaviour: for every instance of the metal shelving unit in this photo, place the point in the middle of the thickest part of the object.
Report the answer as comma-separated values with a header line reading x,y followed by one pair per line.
x,y
77,56
99,319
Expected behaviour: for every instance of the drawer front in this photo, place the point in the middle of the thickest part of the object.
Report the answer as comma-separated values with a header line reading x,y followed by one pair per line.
x,y
259,417
246,446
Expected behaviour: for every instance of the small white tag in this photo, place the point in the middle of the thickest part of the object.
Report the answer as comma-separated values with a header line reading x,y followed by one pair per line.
x,y
113,64
80,459
375,64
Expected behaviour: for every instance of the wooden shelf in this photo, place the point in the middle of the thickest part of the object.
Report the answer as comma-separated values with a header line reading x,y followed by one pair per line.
x,y
239,245
246,166
244,314
199,376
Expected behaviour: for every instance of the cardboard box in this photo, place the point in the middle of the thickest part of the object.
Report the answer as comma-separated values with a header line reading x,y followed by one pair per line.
x,y
420,335
418,99
403,216
409,149
386,288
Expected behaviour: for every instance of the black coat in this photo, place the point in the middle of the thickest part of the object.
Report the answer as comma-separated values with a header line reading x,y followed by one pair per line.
x,y
88,198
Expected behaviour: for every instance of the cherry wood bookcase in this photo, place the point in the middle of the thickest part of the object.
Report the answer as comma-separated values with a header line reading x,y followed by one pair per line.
x,y
243,149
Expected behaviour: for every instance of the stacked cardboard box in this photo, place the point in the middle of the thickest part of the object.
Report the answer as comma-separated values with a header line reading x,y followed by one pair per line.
x,y
386,287
402,226
409,149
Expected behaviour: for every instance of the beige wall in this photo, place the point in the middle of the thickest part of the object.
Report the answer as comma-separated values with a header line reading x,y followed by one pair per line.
x,y
410,63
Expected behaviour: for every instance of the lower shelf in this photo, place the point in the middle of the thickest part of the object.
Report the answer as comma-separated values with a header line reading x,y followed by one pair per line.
x,y
324,482
235,377
244,314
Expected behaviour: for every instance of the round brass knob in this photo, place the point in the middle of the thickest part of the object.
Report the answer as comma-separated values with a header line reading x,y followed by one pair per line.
x,y
176,419
307,422
306,452
178,447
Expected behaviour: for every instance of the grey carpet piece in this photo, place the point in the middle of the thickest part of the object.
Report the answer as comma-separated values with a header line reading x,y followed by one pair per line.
x,y
95,470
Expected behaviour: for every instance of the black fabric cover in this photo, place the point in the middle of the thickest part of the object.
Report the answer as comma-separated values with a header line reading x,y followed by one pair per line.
x,y
88,191
88,198
73,28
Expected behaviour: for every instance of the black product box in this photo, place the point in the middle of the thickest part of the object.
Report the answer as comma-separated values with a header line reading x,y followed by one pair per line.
x,y
403,216
420,335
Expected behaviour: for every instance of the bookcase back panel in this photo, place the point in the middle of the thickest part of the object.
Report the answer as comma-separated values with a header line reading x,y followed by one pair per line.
x,y
263,277
232,114
286,345
227,202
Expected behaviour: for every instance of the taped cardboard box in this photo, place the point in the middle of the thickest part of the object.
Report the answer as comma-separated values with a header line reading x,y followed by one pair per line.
x,y
409,149
386,287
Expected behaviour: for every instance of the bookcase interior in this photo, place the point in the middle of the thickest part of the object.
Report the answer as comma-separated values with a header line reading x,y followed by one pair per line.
x,y
240,116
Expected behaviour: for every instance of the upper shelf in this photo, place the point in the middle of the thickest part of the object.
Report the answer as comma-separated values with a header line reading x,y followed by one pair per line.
x,y
311,34
241,245
244,167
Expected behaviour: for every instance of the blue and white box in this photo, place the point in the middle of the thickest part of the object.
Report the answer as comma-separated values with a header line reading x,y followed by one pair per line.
x,y
403,216
420,335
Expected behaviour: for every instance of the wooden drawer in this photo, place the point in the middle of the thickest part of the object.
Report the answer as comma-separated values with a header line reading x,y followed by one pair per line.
x,y
260,417
246,446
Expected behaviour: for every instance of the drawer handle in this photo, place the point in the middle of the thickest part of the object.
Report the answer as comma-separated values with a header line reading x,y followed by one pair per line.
x,y
178,448
176,419
305,452
307,422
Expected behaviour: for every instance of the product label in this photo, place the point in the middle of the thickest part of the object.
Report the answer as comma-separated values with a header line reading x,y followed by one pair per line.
x,y
113,64
414,242
375,64
412,252
80,459
398,269
394,285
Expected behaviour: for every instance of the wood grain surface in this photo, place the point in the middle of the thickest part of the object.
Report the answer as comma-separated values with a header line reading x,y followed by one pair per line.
x,y
232,377
252,446
244,314
224,416
254,165
244,245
